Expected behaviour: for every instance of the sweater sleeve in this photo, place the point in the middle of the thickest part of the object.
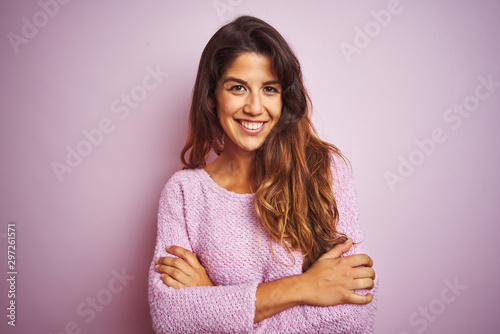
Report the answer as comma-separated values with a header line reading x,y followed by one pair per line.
x,y
343,318
221,309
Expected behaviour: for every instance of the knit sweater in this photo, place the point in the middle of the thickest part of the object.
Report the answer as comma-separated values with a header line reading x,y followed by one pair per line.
x,y
222,228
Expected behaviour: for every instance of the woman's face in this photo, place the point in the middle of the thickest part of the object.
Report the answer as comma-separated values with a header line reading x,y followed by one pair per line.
x,y
248,101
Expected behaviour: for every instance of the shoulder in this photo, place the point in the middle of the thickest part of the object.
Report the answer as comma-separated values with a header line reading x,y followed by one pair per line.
x,y
341,172
340,163
183,180
185,176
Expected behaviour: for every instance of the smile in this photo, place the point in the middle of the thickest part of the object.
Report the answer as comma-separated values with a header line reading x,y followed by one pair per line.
x,y
251,125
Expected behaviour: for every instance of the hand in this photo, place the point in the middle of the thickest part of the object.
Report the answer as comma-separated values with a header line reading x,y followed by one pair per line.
x,y
331,279
186,271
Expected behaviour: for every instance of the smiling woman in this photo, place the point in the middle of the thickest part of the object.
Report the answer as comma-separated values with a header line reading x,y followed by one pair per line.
x,y
248,101
261,236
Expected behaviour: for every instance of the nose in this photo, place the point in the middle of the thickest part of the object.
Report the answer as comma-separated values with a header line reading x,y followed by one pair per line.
x,y
254,105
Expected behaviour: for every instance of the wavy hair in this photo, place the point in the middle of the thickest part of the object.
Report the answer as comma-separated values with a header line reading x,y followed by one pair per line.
x,y
291,172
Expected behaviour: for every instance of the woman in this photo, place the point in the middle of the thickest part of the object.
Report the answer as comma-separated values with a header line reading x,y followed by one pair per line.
x,y
257,239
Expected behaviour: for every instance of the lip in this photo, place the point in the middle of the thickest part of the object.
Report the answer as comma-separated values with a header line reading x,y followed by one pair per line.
x,y
249,131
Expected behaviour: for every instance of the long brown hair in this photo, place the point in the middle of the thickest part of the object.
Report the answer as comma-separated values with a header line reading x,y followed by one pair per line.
x,y
291,172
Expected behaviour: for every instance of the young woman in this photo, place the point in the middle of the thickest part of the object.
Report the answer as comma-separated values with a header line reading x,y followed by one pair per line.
x,y
257,239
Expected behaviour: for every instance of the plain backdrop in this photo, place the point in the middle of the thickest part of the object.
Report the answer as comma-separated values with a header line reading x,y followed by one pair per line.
x,y
408,90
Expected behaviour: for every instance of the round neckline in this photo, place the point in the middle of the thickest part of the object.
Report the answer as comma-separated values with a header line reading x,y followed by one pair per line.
x,y
222,189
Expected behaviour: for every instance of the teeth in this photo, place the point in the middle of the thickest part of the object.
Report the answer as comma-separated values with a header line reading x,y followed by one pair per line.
x,y
251,126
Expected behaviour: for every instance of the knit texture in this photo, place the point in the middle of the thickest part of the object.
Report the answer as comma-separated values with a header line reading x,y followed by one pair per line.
x,y
222,228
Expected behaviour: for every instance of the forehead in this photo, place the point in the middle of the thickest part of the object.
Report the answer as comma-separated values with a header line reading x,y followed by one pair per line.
x,y
251,65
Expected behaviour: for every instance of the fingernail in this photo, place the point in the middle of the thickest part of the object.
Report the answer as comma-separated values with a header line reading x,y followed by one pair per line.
x,y
156,261
162,276
157,266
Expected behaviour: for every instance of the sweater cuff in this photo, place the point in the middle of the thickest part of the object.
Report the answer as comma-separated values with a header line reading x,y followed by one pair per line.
x,y
222,309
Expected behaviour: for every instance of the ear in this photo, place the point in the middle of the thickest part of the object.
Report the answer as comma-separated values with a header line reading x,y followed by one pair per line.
x,y
211,102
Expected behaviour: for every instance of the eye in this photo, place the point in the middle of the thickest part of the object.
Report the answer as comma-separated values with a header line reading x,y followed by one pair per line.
x,y
237,89
270,90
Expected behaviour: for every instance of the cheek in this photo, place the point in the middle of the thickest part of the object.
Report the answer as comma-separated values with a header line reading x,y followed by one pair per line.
x,y
225,115
228,107
277,110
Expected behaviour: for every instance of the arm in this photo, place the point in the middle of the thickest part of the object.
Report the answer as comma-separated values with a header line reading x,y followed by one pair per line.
x,y
198,308
183,270
288,304
331,280
352,318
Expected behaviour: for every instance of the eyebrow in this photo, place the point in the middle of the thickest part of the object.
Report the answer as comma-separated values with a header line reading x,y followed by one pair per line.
x,y
243,82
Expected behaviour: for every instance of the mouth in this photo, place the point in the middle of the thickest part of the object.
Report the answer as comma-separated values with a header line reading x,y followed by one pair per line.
x,y
252,126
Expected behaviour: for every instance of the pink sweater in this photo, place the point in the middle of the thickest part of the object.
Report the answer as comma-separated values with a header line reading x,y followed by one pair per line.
x,y
221,227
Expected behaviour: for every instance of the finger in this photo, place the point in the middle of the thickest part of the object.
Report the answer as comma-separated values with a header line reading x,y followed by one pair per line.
x,y
178,263
363,272
362,283
176,274
357,260
185,254
169,281
175,265
162,269
360,260
338,250
355,298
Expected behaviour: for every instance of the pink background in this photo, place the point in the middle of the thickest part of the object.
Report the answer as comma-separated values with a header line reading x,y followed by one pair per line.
x,y
75,235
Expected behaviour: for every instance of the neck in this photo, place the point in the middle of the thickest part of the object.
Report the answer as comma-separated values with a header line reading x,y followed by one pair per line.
x,y
236,161
232,168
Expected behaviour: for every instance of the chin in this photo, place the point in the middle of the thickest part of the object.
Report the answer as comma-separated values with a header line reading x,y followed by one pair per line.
x,y
251,148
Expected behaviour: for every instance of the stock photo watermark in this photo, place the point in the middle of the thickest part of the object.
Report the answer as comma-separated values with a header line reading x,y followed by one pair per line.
x,y
371,29
454,118
88,309
11,273
225,8
424,315
31,26
122,108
